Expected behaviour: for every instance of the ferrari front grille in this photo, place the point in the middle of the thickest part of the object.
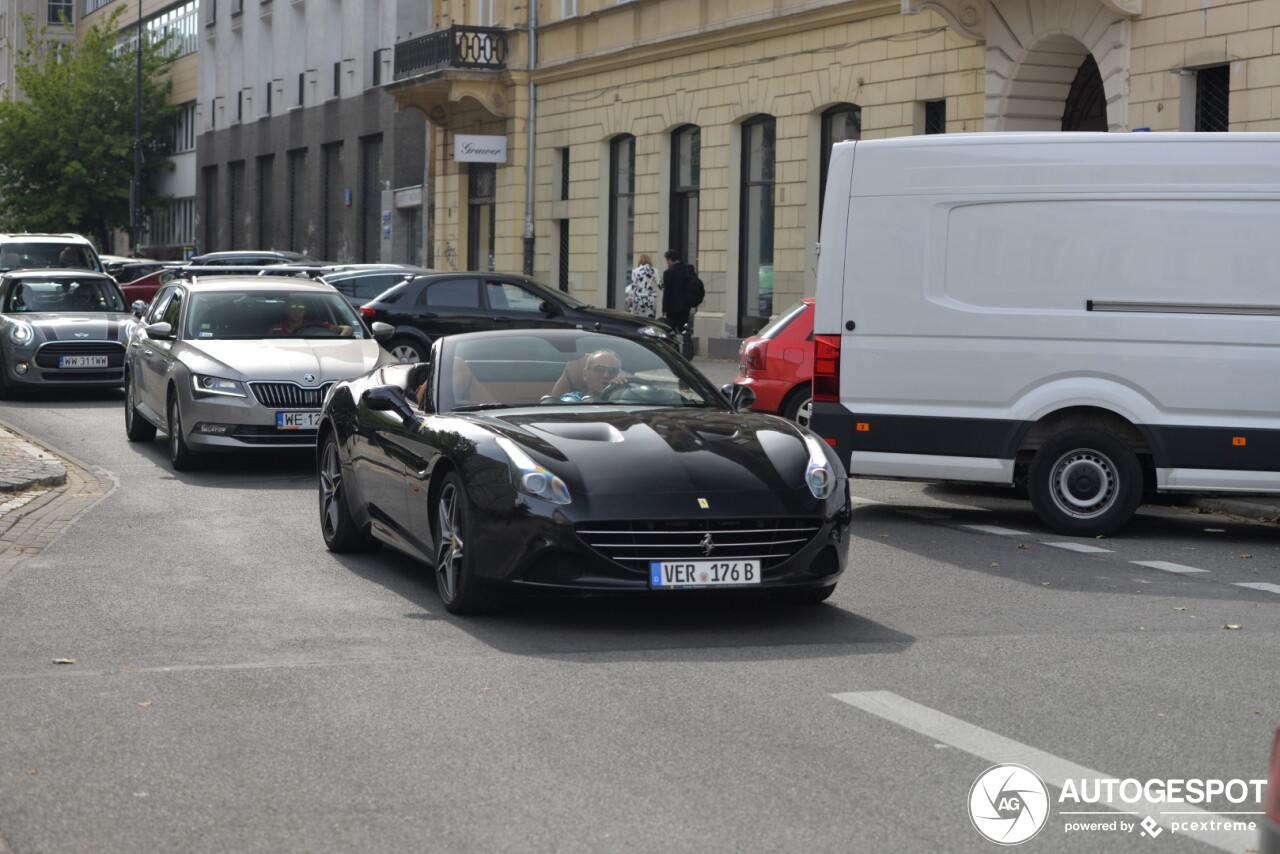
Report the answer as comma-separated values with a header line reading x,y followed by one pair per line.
x,y
635,543
288,395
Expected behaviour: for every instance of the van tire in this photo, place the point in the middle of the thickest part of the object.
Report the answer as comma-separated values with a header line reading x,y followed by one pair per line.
x,y
1085,482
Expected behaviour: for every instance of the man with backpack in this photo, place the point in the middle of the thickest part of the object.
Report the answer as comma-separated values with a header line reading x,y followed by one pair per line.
x,y
682,291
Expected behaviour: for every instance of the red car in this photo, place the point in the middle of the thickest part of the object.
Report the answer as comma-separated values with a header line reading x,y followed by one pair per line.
x,y
777,364
145,287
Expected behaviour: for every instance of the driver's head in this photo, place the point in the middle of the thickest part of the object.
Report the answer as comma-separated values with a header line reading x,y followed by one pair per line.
x,y
603,367
83,296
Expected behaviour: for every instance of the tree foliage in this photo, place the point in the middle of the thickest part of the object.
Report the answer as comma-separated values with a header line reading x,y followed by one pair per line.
x,y
66,152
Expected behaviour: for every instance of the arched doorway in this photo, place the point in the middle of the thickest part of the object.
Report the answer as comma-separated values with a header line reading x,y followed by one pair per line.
x,y
1086,106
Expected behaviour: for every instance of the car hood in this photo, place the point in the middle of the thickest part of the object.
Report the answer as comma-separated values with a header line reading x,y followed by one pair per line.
x,y
285,359
76,326
641,450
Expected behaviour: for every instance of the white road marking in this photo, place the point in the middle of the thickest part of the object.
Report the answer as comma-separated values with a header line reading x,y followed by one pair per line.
x,y
1259,585
1165,566
997,530
1054,770
1083,548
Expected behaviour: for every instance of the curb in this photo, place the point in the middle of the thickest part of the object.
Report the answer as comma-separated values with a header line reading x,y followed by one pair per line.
x,y
1263,509
24,465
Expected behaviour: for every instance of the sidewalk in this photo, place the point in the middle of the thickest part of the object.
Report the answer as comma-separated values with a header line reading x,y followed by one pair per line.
x,y
24,465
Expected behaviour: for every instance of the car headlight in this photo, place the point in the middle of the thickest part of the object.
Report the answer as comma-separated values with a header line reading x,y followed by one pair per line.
x,y
203,385
21,332
654,331
531,478
818,475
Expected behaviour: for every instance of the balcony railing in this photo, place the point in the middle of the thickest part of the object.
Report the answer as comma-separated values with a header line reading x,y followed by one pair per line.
x,y
455,47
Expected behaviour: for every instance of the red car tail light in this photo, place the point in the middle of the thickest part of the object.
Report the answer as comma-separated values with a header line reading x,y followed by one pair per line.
x,y
752,357
1272,800
365,311
826,369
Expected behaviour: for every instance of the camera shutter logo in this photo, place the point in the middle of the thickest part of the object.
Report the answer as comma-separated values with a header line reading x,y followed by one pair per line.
x,y
1008,804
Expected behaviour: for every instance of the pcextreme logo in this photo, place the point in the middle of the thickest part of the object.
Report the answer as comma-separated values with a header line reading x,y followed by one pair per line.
x,y
1008,804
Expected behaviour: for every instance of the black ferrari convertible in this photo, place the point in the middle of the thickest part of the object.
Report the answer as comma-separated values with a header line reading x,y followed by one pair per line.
x,y
570,461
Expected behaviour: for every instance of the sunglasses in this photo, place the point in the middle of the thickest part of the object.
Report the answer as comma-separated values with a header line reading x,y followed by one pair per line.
x,y
605,371
301,307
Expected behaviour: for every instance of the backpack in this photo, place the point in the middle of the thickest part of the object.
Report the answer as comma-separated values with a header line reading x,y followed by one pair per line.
x,y
697,291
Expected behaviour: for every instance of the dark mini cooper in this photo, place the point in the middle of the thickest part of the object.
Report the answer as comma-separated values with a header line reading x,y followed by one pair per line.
x,y
61,328
577,462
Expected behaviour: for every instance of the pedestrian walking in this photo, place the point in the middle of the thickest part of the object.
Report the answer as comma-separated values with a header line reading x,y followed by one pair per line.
x,y
644,288
675,292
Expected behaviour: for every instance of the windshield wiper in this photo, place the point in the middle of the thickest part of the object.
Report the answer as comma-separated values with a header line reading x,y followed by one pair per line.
x,y
476,407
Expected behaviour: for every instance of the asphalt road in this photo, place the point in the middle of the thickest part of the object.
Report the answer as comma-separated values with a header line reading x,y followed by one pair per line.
x,y
238,688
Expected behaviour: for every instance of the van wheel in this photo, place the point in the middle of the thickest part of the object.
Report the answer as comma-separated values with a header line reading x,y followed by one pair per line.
x,y
798,406
1085,482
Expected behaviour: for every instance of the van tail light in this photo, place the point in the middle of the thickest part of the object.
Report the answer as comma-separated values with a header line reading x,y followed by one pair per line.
x,y
367,312
826,369
1272,800
752,357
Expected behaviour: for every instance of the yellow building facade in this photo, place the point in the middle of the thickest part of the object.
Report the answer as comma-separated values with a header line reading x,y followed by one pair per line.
x,y
704,125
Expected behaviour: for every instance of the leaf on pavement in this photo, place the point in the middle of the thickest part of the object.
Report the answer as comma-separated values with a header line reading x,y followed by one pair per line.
x,y
995,564
64,661
1178,608
1245,555
1022,545
1233,625
145,704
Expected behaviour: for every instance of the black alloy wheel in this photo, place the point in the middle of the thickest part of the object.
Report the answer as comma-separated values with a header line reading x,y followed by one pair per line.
x,y
337,526
459,589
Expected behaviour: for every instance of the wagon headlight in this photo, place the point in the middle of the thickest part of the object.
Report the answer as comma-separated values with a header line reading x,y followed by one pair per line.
x,y
203,385
818,475
21,332
531,478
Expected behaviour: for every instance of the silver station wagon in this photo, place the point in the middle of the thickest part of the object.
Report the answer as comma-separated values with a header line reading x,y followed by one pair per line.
x,y
61,328
225,363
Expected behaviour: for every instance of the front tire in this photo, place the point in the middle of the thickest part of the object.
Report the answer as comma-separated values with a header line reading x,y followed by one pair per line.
x,y
136,428
456,582
1085,483
181,457
338,528
407,350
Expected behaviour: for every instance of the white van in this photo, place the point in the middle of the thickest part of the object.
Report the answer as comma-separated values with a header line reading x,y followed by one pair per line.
x,y
1088,316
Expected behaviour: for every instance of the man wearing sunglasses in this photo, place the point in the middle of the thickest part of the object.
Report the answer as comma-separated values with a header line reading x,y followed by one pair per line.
x,y
296,321
590,375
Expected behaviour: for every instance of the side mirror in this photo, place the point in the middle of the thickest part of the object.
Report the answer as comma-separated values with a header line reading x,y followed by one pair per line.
x,y
139,307
740,397
382,331
550,309
387,398
160,330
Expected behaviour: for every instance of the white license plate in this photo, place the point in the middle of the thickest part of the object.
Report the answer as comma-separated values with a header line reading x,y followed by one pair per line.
x,y
298,420
703,573
82,361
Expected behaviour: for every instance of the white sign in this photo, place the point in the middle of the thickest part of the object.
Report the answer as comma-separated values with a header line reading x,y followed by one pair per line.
x,y
470,148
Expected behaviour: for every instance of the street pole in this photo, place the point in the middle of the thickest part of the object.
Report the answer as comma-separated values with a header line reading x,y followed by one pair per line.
x,y
135,197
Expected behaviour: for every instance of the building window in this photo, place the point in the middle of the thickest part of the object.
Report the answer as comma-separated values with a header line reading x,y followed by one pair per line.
x,y
1213,98
235,200
568,8
370,198
210,195
268,97
686,178
564,174
240,106
173,224
622,190
61,12
334,204
337,79
482,207
755,275
302,82
265,187
563,278
841,123
184,131
935,116
297,178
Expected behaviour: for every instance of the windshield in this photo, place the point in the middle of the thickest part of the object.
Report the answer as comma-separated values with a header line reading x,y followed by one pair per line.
x,y
63,294
566,368
271,313
38,256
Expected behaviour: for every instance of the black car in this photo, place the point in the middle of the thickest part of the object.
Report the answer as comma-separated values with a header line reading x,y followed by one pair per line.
x,y
436,304
360,283
645,482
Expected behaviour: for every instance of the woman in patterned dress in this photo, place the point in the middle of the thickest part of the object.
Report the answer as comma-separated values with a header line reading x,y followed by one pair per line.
x,y
644,288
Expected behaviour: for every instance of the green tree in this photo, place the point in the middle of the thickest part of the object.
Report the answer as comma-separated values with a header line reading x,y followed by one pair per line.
x,y
66,152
